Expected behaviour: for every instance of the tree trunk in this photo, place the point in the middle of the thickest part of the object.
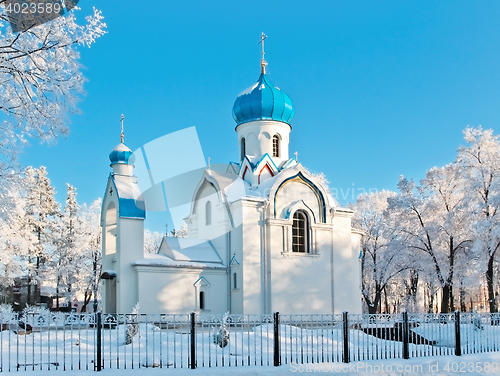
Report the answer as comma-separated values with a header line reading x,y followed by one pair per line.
x,y
386,301
490,285
452,300
86,300
445,303
57,292
430,308
28,298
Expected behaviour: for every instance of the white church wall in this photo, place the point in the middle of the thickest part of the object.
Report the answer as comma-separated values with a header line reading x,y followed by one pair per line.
x,y
131,245
252,144
346,295
109,231
164,289
236,250
220,245
109,220
258,138
236,290
123,169
209,219
300,282
251,257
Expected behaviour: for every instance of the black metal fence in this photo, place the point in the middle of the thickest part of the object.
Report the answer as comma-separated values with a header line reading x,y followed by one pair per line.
x,y
95,341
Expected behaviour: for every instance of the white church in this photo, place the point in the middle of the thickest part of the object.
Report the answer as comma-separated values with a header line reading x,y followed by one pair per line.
x,y
264,236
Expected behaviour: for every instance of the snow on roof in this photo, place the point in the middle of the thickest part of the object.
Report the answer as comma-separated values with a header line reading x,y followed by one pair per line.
x,y
161,260
185,249
130,196
184,252
236,188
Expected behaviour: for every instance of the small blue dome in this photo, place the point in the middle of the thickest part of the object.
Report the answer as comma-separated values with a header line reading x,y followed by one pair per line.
x,y
121,154
263,101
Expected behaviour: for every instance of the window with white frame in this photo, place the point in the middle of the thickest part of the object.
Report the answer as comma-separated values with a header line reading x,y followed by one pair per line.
x,y
243,149
202,299
276,146
208,213
300,232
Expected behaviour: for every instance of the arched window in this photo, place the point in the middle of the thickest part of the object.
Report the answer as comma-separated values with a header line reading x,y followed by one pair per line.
x,y
202,299
208,213
300,229
243,149
235,285
276,146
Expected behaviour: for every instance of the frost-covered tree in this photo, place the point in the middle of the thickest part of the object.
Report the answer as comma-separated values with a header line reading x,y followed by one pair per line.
x,y
480,165
15,237
40,78
67,255
434,215
383,255
181,233
152,241
89,270
41,214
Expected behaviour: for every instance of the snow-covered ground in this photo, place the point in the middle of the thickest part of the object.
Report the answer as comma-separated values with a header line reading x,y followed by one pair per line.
x,y
72,345
435,366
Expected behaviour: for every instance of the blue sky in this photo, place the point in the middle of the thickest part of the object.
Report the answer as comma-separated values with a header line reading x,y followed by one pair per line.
x,y
380,89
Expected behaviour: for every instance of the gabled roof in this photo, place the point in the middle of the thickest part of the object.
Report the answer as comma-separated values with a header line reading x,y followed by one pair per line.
x,y
233,261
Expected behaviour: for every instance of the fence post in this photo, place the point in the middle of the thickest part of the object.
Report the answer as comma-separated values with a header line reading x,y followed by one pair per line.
x,y
405,328
345,327
276,339
458,347
99,342
193,340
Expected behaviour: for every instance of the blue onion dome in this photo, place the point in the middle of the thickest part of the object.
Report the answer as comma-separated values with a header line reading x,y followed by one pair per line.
x,y
263,101
121,154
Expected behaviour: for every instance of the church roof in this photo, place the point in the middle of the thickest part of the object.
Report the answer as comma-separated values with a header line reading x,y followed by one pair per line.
x,y
263,101
129,196
236,188
183,252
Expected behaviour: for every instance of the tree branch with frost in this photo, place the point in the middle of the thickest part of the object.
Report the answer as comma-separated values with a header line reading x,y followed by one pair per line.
x,y
40,78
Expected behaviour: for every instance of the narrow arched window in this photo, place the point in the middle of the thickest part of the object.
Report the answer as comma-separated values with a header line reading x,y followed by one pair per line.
x,y
202,299
235,285
276,146
243,149
208,213
299,232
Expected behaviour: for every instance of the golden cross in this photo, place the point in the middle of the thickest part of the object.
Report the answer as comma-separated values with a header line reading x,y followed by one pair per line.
x,y
122,136
263,63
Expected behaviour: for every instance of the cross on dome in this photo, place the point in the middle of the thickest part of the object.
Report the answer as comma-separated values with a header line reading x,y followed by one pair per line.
x,y
263,62
122,135
263,101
